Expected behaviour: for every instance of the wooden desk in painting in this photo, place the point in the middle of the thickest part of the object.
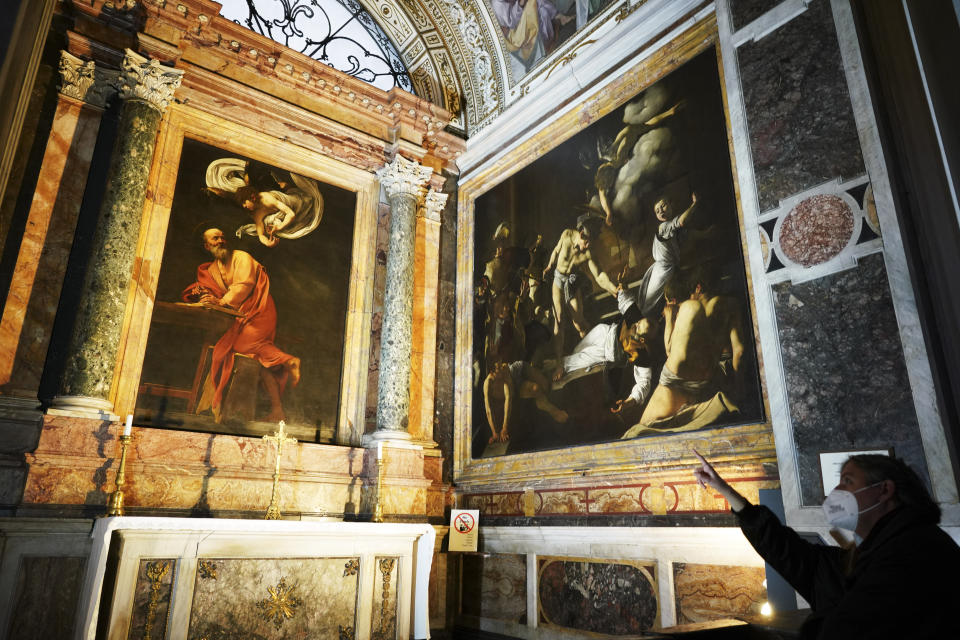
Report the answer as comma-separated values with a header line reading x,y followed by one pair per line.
x,y
178,354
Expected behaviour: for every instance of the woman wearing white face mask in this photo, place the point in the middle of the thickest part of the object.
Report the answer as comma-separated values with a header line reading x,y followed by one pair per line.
x,y
900,582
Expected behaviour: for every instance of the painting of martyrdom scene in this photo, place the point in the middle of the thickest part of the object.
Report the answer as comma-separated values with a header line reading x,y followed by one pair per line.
x,y
610,295
532,29
250,310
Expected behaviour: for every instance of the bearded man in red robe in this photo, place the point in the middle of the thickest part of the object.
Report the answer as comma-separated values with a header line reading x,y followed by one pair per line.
x,y
236,280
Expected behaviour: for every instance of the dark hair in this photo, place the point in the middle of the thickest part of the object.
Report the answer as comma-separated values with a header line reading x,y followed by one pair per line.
x,y
910,488
244,193
589,224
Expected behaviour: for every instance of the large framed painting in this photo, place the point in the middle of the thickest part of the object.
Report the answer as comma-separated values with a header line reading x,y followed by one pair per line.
x,y
249,319
610,297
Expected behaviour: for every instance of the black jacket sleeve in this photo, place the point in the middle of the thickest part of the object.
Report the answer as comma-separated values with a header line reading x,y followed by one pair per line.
x,y
813,570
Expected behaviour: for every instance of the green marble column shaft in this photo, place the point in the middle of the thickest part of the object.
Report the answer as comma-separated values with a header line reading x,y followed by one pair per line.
x,y
403,181
147,88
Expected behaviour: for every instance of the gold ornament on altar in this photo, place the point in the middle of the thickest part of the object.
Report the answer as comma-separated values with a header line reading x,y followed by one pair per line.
x,y
115,503
282,604
280,437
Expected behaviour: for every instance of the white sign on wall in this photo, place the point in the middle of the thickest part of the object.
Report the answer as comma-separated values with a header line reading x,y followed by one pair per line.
x,y
831,463
463,529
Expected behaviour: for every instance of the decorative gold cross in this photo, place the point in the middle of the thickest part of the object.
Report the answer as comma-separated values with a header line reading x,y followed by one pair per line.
x,y
280,437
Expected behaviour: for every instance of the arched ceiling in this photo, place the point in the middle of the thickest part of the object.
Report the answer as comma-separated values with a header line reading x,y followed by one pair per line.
x,y
451,52
460,58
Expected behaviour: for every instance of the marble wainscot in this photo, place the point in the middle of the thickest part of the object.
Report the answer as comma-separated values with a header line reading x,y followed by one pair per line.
x,y
546,582
179,578
175,473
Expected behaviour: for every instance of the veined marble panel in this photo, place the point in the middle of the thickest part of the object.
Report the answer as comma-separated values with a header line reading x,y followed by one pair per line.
x,y
151,602
495,586
845,370
598,596
743,12
275,598
710,592
39,611
802,128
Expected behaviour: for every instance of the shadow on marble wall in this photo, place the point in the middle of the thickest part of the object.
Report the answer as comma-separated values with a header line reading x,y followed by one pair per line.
x,y
495,586
845,370
802,128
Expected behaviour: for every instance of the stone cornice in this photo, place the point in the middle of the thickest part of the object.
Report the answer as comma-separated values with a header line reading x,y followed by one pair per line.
x,y
211,92
192,35
209,41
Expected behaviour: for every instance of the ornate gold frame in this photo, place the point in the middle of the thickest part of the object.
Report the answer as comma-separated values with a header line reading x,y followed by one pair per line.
x,y
183,121
746,451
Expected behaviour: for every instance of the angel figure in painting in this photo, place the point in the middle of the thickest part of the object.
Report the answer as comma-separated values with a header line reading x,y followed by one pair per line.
x,y
279,208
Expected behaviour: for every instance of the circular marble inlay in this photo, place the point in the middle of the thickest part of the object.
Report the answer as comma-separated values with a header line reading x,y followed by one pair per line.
x,y
816,230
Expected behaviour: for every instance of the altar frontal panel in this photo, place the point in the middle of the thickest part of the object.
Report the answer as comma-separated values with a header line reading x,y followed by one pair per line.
x,y
275,598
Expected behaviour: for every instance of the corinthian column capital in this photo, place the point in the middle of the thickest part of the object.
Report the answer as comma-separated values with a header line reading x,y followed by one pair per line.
x,y
404,177
147,80
433,205
84,81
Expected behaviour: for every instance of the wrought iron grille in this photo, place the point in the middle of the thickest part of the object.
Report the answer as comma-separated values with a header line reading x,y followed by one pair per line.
x,y
338,32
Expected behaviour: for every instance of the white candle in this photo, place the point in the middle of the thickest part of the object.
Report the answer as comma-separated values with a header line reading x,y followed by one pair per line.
x,y
127,427
379,451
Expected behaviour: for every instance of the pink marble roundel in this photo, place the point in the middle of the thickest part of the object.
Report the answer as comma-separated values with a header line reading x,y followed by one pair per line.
x,y
816,230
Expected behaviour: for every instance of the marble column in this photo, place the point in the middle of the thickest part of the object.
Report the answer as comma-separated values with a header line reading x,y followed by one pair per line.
x,y
37,279
147,89
403,181
424,336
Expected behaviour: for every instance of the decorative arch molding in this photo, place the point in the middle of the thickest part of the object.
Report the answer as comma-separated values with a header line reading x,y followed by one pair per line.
x,y
448,55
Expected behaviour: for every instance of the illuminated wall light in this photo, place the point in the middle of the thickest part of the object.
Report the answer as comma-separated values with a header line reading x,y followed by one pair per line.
x,y
766,610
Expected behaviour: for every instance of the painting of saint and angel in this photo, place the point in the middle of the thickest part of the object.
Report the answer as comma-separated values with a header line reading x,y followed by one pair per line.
x,y
250,310
610,294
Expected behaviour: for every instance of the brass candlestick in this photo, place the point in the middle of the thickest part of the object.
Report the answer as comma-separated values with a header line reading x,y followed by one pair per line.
x,y
115,503
378,509
280,437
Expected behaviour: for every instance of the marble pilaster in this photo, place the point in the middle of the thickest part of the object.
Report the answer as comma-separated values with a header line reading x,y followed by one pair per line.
x,y
424,333
404,181
45,246
146,88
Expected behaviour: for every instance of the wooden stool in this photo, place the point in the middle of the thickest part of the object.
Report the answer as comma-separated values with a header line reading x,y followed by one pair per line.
x,y
240,395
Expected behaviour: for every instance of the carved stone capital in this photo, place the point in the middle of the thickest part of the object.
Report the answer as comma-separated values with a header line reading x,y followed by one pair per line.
x,y
76,76
84,81
148,80
433,205
404,177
